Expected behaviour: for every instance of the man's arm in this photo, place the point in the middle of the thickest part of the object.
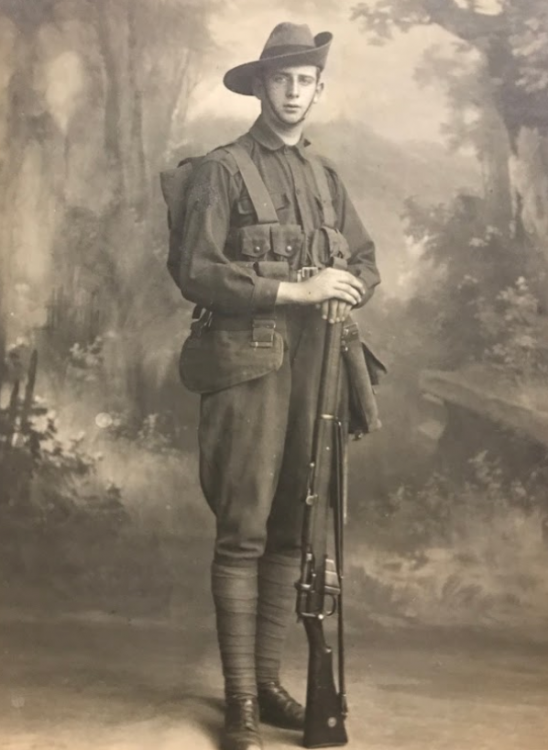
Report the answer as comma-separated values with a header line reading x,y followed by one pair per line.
x,y
362,262
208,278
330,283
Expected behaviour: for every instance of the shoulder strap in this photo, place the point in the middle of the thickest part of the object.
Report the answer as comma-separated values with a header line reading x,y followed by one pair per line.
x,y
262,202
318,169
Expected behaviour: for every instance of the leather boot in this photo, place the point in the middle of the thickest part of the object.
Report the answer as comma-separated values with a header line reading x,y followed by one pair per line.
x,y
278,708
241,729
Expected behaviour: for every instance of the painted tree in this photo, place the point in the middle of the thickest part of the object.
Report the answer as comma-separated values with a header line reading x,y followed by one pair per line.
x,y
497,82
92,94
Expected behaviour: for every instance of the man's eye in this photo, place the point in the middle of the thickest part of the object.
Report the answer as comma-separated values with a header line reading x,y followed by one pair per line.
x,y
306,81
279,79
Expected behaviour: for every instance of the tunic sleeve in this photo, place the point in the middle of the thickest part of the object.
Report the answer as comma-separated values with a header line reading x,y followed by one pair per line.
x,y
208,278
362,260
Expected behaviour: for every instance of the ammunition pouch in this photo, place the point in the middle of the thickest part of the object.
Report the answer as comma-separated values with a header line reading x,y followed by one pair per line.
x,y
363,369
274,242
273,269
255,241
326,245
287,241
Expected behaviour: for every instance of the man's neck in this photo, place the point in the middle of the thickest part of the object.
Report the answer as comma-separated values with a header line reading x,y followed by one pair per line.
x,y
289,134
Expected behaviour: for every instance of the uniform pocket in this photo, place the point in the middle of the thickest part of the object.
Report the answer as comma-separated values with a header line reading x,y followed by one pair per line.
x,y
245,209
255,241
287,240
215,359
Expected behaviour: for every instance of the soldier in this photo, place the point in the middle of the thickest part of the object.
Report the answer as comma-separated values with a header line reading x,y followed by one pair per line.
x,y
257,349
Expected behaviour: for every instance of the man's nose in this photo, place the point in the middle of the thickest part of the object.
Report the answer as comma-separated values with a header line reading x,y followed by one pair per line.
x,y
293,88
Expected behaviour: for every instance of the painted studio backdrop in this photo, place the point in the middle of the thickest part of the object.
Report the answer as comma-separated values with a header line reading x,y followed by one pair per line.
x,y
435,112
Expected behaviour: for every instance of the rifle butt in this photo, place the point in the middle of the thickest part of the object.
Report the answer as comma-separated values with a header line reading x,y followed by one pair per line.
x,y
324,717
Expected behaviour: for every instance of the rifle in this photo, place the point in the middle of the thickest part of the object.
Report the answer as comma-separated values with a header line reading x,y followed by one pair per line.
x,y
319,588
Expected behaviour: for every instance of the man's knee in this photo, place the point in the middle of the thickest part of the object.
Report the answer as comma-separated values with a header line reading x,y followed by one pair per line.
x,y
240,544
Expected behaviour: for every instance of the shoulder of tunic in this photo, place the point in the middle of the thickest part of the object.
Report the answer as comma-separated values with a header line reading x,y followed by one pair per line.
x,y
334,179
222,156
328,164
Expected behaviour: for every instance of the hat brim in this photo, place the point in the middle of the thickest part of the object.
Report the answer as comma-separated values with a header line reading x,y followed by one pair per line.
x,y
240,79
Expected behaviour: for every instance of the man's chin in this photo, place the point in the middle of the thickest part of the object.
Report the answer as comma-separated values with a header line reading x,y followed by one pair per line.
x,y
291,118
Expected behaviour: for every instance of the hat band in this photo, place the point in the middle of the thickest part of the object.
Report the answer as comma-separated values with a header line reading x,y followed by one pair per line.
x,y
285,49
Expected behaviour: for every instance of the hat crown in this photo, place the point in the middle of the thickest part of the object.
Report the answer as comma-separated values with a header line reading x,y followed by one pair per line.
x,y
289,36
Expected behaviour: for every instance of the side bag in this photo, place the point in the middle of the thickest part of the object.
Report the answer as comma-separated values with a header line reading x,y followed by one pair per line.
x,y
212,360
363,368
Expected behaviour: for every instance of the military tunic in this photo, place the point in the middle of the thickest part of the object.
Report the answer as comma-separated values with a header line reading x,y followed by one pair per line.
x,y
255,437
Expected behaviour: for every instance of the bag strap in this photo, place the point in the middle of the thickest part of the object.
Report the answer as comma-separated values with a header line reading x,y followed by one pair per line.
x,y
318,170
259,195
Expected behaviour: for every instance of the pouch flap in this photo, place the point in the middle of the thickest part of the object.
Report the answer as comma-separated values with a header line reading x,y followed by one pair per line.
x,y
337,243
255,240
375,366
287,240
219,359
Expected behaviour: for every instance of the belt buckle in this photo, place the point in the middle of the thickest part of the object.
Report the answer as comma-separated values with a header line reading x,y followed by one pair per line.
x,y
306,272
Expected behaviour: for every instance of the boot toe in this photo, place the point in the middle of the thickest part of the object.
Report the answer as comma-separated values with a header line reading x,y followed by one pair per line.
x,y
278,708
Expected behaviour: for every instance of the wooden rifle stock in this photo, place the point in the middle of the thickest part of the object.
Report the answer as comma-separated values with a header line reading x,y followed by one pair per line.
x,y
319,589
324,719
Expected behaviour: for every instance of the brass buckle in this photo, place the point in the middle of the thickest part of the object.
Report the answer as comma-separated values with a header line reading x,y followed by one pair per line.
x,y
350,333
306,272
201,324
262,336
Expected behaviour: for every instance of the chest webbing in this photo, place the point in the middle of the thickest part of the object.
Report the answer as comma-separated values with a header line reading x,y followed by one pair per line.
x,y
260,197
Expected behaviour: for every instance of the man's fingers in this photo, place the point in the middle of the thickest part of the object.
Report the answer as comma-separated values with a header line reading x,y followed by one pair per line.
x,y
347,293
339,311
333,284
336,311
349,278
344,311
356,283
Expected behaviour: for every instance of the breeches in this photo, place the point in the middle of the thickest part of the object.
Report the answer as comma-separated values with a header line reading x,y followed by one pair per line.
x,y
255,449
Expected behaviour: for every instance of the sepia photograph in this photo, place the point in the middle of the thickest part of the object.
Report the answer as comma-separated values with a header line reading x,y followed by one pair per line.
x,y
273,374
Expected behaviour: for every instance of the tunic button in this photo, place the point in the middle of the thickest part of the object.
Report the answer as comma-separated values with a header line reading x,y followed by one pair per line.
x,y
290,247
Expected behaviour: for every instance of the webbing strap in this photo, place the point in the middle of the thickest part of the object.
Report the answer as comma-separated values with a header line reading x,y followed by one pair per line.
x,y
260,198
329,217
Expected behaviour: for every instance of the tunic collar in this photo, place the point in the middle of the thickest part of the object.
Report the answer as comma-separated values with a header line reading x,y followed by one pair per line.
x,y
270,140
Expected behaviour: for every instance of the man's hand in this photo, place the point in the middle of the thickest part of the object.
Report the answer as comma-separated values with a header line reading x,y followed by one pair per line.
x,y
334,290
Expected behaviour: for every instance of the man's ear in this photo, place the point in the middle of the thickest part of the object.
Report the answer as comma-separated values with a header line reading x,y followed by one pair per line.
x,y
319,91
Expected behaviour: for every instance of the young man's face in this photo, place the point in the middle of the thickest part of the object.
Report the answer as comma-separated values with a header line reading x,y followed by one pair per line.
x,y
289,93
